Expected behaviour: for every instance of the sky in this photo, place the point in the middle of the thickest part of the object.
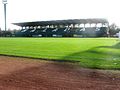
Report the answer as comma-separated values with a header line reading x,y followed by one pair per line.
x,y
42,10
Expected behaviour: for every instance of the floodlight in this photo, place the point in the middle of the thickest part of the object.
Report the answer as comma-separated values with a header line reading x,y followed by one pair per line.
x,y
4,1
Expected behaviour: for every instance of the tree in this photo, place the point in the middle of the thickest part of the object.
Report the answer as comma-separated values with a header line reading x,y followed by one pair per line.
x,y
113,29
0,32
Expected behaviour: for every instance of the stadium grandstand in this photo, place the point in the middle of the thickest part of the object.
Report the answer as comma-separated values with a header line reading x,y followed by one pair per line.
x,y
64,28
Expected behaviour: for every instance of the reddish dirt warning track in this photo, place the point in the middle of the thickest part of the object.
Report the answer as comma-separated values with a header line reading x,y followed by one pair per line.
x,y
27,74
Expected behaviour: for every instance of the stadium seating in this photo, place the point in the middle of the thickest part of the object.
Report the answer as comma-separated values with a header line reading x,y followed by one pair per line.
x,y
89,32
63,32
22,33
102,32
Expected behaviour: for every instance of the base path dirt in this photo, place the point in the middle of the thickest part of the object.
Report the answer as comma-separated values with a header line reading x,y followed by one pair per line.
x,y
30,74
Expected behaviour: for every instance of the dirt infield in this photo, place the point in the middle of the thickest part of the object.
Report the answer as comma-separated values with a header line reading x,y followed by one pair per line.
x,y
27,74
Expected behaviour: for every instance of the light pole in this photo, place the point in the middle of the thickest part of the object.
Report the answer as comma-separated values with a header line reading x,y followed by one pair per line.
x,y
5,2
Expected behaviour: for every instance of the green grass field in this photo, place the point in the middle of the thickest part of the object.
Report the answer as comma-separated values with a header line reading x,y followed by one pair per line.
x,y
103,53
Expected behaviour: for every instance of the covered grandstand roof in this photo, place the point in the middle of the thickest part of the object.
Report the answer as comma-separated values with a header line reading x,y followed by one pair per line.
x,y
61,22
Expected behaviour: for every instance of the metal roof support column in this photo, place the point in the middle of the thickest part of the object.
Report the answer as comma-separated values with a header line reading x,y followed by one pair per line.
x,y
95,25
84,26
102,24
21,28
108,28
90,24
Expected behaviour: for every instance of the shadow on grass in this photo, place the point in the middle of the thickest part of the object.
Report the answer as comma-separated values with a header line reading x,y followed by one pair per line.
x,y
102,57
116,46
44,59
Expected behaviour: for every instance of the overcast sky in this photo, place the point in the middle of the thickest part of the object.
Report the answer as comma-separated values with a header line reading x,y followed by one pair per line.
x,y
37,10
